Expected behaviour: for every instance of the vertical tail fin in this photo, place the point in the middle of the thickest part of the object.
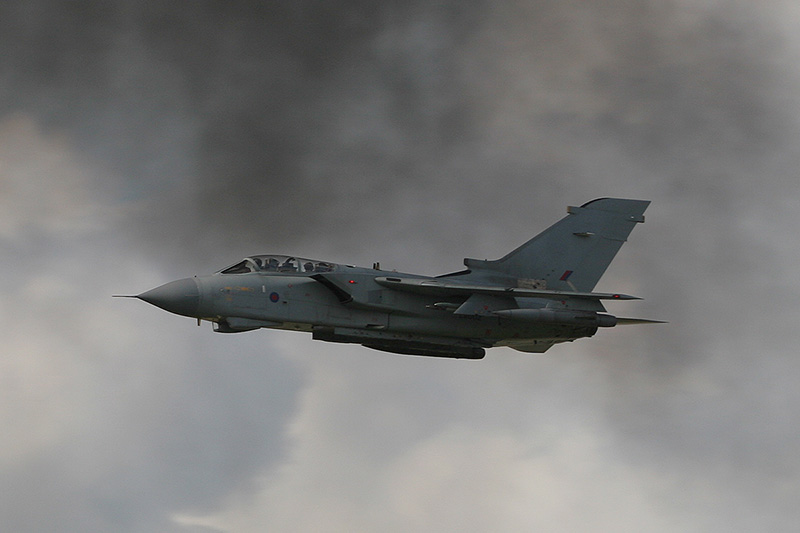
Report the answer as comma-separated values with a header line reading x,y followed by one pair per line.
x,y
573,253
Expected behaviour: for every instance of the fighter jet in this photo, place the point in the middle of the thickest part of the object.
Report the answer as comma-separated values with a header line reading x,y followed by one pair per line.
x,y
538,295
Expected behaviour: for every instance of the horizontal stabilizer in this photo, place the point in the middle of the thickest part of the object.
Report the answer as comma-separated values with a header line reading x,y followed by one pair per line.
x,y
555,316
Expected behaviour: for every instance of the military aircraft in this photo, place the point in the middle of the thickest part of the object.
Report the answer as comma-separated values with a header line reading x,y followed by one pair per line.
x,y
534,297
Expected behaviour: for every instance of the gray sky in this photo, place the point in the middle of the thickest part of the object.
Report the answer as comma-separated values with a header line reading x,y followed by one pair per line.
x,y
142,142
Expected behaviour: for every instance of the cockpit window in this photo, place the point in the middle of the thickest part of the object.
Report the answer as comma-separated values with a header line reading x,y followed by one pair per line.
x,y
239,268
278,263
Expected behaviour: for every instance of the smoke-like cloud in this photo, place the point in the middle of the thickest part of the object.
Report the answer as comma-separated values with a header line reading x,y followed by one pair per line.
x,y
142,142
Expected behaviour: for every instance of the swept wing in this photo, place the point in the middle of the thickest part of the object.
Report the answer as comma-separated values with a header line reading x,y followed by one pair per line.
x,y
438,287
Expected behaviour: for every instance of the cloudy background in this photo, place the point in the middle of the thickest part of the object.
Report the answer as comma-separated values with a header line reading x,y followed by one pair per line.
x,y
143,142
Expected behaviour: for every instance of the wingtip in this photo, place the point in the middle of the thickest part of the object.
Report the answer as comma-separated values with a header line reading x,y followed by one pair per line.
x,y
618,296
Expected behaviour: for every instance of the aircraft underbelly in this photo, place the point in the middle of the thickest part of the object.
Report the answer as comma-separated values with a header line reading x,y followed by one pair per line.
x,y
341,316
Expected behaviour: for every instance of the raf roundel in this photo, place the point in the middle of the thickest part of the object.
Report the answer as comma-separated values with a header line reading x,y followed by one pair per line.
x,y
274,297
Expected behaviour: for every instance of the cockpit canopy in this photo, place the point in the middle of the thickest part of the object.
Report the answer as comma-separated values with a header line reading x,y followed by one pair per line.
x,y
278,263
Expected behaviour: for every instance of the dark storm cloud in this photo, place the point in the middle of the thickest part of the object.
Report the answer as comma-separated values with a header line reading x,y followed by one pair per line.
x,y
248,119
229,128
235,102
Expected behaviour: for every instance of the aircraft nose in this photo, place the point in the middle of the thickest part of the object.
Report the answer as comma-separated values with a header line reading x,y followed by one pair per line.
x,y
181,297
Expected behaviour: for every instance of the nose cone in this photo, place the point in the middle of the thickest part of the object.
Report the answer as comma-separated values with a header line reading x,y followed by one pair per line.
x,y
181,297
